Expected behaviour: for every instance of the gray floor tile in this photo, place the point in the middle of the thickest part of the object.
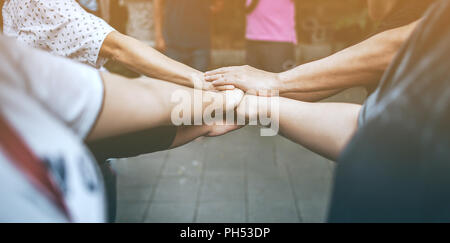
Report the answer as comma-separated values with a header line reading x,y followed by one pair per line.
x,y
181,212
265,168
280,177
269,189
223,189
225,163
131,212
140,171
272,212
221,212
186,161
134,194
177,189
313,211
313,192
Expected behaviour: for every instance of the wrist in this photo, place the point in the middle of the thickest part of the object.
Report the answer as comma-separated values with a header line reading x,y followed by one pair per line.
x,y
265,106
196,80
279,82
294,81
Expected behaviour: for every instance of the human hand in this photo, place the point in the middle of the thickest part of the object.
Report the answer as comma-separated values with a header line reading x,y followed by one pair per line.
x,y
246,78
219,130
232,99
223,103
199,82
252,107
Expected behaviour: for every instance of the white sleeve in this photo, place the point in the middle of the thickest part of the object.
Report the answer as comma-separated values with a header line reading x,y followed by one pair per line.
x,y
72,92
61,27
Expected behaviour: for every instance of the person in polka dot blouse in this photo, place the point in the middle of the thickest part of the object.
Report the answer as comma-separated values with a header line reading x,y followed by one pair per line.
x,y
64,28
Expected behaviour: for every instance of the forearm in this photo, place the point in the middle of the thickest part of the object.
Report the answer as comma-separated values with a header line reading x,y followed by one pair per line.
x,y
362,64
311,96
324,128
185,134
143,59
132,105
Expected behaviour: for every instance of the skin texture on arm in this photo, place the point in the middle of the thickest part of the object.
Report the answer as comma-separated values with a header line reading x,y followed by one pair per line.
x,y
132,105
143,59
361,64
185,134
324,128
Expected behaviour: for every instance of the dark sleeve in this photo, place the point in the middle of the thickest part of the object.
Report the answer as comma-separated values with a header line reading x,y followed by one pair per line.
x,y
134,144
396,167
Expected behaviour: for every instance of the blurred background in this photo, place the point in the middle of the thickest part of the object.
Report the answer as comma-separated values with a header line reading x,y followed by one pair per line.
x,y
323,28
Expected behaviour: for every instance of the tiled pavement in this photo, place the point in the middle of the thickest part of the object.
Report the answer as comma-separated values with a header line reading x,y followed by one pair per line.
x,y
239,177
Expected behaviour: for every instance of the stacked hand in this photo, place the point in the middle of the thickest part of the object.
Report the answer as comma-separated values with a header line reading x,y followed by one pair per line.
x,y
246,106
232,82
246,78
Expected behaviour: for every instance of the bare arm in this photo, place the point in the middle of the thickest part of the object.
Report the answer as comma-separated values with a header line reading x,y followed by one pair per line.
x,y
185,134
362,64
138,104
143,59
324,128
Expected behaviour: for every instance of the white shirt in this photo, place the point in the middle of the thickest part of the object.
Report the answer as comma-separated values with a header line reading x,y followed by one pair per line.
x,y
61,27
52,103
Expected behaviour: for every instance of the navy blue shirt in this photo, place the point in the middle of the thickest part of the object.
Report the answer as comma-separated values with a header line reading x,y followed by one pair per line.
x,y
186,23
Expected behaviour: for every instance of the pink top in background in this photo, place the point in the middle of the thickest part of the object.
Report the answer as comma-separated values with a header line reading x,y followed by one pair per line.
x,y
272,20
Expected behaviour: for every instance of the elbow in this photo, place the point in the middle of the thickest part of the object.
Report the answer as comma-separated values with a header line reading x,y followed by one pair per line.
x,y
113,46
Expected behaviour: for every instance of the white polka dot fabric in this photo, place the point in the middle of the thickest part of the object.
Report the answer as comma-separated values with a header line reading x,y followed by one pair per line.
x,y
61,27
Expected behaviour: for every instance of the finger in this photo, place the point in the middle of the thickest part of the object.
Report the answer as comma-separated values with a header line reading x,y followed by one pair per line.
x,y
222,82
217,71
213,77
225,87
208,87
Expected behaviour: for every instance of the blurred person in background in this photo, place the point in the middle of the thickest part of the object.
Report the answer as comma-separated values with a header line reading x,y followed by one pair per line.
x,y
360,65
141,23
113,12
92,6
271,34
182,30
1,16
